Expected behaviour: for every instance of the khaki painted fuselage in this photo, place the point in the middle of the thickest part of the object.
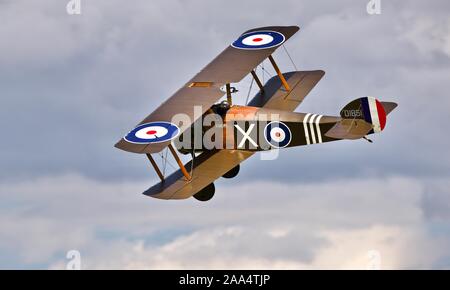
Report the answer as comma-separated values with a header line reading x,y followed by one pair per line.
x,y
245,128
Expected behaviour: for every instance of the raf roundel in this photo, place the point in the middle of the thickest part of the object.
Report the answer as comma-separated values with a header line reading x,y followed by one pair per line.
x,y
154,132
259,40
277,134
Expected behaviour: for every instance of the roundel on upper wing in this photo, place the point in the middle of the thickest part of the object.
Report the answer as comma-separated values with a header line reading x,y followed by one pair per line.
x,y
277,134
259,40
154,132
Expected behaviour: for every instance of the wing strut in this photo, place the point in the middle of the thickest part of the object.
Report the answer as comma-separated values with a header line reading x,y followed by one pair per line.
x,y
182,168
280,75
258,82
229,99
155,166
180,163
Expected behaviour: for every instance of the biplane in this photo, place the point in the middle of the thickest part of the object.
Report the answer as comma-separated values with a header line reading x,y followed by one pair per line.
x,y
219,135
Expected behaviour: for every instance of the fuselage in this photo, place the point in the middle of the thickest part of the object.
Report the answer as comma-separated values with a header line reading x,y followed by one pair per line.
x,y
255,129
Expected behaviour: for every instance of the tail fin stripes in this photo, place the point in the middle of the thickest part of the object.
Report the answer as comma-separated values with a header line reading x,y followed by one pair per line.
x,y
361,117
368,109
374,113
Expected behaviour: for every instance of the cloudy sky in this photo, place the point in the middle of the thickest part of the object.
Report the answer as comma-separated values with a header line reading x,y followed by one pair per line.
x,y
72,85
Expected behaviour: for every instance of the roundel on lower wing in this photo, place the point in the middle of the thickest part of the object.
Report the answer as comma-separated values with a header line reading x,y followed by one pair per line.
x,y
259,40
277,134
154,132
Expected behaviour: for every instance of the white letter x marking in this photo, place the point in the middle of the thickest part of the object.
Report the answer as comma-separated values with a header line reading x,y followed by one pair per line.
x,y
246,135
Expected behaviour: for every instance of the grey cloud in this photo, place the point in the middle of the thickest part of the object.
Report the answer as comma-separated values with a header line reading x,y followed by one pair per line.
x,y
294,225
436,201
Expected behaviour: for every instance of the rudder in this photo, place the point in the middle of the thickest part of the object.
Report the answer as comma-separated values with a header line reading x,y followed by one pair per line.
x,y
368,109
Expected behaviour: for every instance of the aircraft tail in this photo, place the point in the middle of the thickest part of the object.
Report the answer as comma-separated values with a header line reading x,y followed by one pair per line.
x,y
361,117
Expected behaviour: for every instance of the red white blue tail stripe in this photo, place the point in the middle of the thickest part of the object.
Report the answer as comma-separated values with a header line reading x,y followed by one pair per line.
x,y
374,113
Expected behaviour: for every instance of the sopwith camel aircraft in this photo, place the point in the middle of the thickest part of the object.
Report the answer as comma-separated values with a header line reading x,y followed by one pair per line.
x,y
220,135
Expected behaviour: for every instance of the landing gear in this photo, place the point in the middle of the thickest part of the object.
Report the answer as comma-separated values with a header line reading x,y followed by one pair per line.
x,y
206,193
232,173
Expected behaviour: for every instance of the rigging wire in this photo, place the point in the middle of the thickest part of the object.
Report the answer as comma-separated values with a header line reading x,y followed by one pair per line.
x,y
267,72
262,66
292,61
167,160
249,91
165,163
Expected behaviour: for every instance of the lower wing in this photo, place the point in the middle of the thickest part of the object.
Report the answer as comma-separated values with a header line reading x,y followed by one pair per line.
x,y
206,168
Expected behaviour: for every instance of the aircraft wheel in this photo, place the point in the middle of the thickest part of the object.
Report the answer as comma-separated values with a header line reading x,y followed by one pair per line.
x,y
232,173
206,193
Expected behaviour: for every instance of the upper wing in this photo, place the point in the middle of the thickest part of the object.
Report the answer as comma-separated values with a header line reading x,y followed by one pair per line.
x,y
208,167
275,96
231,66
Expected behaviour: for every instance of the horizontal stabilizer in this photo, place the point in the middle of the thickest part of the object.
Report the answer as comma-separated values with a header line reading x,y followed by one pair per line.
x,y
389,106
349,129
